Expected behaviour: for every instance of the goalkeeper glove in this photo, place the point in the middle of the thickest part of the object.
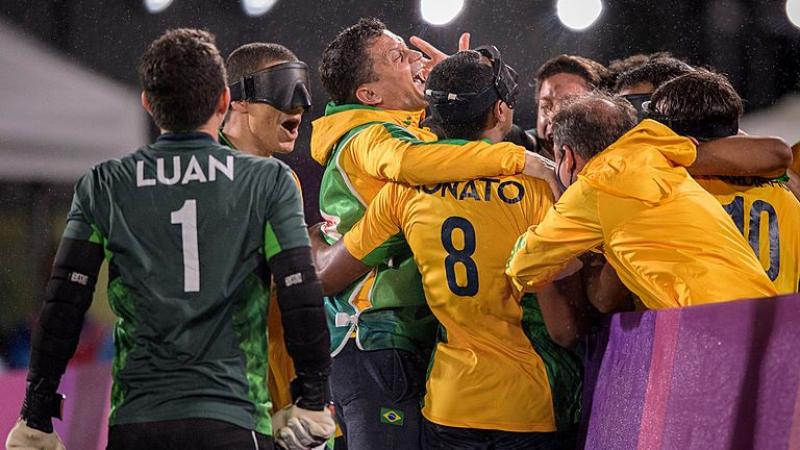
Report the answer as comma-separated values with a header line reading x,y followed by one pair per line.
x,y
302,429
308,423
23,437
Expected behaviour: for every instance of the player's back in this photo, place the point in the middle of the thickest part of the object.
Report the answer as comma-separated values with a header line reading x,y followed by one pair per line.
x,y
186,224
489,370
768,216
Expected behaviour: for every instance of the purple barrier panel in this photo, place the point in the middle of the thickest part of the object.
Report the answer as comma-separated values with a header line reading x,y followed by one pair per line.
x,y
12,391
618,396
736,376
721,376
87,388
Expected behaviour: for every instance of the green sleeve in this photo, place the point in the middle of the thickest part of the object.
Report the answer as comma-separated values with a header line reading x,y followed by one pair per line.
x,y
80,221
394,246
286,225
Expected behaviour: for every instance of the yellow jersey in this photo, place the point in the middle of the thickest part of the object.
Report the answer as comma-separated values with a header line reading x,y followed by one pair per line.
x,y
768,217
668,239
362,149
493,364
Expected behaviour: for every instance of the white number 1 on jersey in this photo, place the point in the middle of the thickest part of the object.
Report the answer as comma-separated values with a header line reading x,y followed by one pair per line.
x,y
187,218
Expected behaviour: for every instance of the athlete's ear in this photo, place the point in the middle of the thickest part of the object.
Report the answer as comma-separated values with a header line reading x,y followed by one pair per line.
x,y
223,101
367,96
146,104
502,111
568,155
239,106
496,116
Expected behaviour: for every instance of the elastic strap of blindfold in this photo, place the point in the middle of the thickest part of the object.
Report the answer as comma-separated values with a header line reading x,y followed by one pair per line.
x,y
460,107
505,77
700,131
240,89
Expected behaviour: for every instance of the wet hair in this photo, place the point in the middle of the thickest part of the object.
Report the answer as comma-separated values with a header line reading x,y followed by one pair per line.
x,y
656,71
182,75
346,63
590,123
700,97
622,65
461,73
252,57
595,74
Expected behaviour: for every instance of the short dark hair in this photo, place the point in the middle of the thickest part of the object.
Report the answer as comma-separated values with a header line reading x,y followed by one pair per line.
x,y
656,71
622,65
250,58
699,97
182,75
597,76
346,63
458,74
590,123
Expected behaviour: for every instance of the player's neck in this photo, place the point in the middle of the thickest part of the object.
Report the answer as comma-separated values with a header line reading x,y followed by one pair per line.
x,y
207,128
239,135
494,135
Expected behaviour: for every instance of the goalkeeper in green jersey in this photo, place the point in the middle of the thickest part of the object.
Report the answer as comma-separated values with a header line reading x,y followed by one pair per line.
x,y
192,231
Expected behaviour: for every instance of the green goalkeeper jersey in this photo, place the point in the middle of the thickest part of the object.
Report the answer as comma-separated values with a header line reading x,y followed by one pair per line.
x,y
188,227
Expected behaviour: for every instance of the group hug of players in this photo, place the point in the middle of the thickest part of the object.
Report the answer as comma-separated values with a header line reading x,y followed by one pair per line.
x,y
459,270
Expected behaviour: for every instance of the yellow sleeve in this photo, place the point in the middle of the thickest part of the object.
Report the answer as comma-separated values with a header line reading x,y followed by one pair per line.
x,y
569,229
297,181
390,152
369,239
541,202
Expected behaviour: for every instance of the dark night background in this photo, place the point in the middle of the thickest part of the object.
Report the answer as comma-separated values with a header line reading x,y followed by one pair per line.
x,y
752,41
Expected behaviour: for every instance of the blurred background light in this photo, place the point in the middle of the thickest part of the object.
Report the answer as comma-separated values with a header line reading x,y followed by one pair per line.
x,y
440,12
793,12
578,15
254,8
156,6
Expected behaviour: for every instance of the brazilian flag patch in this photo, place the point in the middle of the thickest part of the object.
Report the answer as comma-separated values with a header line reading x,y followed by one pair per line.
x,y
392,417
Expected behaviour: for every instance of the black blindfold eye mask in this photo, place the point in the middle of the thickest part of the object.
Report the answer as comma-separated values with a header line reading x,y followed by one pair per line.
x,y
636,100
467,105
283,86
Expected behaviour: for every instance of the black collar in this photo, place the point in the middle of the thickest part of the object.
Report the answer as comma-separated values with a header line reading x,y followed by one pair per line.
x,y
171,136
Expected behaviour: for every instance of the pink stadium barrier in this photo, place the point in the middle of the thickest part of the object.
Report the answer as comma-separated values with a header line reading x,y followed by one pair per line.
x,y
88,390
722,376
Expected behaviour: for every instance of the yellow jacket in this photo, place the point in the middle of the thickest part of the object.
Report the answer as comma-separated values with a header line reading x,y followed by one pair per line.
x,y
362,149
669,240
384,154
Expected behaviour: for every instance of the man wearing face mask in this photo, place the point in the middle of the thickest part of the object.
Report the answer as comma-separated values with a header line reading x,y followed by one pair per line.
x,y
630,195
727,156
381,327
500,376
